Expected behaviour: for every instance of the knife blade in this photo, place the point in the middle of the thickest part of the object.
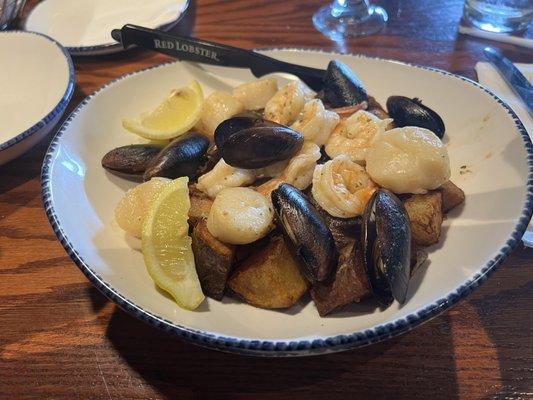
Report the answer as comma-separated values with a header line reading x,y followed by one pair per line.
x,y
514,78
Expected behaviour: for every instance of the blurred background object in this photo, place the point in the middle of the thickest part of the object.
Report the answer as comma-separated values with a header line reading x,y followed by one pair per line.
x,y
84,26
9,11
349,18
499,16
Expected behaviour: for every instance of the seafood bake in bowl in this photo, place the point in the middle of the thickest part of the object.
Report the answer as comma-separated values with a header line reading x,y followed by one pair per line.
x,y
258,216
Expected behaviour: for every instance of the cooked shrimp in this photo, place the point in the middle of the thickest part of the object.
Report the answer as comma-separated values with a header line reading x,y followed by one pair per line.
x,y
408,160
354,135
342,187
287,103
218,107
348,111
299,170
223,176
315,122
255,95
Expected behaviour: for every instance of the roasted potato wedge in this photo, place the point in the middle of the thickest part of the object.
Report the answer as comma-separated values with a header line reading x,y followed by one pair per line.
x,y
213,260
425,213
349,284
452,196
270,277
344,230
200,205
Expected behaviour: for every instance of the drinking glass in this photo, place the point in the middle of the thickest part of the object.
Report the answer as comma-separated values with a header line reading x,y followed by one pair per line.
x,y
499,16
349,18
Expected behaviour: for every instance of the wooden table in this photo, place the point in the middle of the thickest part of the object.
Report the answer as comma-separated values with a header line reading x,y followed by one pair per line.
x,y
60,338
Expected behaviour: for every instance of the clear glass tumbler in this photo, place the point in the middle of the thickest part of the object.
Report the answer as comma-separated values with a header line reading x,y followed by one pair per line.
x,y
499,16
349,18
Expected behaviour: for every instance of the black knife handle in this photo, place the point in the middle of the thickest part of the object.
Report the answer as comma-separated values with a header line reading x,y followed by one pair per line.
x,y
205,52
184,48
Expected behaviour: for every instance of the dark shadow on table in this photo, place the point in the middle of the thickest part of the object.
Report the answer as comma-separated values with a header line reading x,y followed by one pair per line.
x,y
393,369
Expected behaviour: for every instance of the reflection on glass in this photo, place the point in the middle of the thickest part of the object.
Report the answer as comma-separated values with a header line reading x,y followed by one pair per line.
x,y
499,16
349,18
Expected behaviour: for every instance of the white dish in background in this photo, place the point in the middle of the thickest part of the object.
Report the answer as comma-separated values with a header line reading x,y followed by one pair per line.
x,y
482,134
36,84
84,26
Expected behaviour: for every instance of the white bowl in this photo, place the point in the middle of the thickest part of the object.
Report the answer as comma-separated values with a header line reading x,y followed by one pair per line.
x,y
482,133
84,26
36,84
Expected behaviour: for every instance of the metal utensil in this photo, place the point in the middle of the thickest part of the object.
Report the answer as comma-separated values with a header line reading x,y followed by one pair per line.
x,y
203,51
514,78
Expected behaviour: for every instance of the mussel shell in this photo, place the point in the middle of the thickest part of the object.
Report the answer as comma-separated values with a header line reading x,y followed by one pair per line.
x,y
387,247
309,238
181,157
341,87
130,161
260,147
237,123
213,156
411,112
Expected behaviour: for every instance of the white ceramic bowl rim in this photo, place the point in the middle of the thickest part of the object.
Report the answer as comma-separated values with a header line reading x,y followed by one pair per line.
x,y
61,105
294,347
109,48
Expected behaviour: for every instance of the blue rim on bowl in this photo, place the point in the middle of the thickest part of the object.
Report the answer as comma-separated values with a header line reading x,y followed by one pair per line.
x,y
268,348
111,48
61,105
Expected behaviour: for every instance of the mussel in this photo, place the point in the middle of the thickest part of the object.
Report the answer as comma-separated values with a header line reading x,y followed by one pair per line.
x,y
130,161
309,238
411,112
249,141
239,122
181,157
386,238
213,157
341,87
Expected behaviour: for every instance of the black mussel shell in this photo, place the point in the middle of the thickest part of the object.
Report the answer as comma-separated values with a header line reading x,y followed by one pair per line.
x,y
306,232
249,141
341,87
213,156
130,161
387,247
182,157
324,158
260,147
411,112
237,123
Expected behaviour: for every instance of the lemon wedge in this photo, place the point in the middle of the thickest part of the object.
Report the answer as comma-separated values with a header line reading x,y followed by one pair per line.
x,y
132,208
166,245
178,113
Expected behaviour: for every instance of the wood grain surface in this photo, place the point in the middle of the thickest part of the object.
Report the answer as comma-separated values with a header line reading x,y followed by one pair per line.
x,y
61,339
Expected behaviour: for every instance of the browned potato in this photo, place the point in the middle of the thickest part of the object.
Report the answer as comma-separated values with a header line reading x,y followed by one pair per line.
x,y
348,285
452,196
270,277
200,205
213,260
425,213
